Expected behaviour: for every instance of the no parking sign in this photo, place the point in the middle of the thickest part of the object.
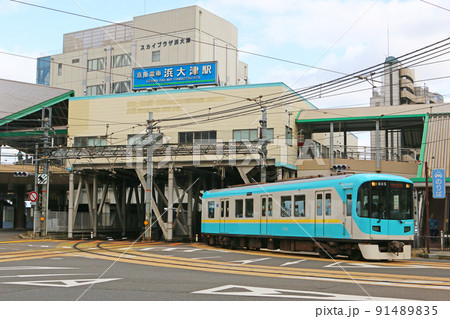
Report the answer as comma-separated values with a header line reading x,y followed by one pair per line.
x,y
33,196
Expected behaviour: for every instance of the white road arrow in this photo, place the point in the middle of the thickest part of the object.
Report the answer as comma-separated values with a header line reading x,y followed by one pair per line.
x,y
292,262
285,293
62,283
248,261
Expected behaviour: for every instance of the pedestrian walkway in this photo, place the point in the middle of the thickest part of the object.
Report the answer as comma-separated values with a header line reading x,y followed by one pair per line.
x,y
11,234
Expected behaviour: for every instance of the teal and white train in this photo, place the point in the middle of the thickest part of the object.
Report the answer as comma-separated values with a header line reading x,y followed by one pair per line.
x,y
363,215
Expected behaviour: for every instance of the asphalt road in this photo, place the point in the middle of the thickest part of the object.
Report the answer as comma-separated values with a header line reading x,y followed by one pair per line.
x,y
50,270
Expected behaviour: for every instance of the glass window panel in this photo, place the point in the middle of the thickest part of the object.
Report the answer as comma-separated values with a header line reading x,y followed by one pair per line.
x,y
286,206
299,205
239,208
249,207
211,205
319,205
263,206
328,204
349,205
269,206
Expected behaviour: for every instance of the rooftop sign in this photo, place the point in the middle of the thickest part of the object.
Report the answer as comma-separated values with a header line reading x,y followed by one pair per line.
x,y
175,76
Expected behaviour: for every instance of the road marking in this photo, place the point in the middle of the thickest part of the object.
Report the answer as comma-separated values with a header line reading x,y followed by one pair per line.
x,y
417,284
292,262
369,265
191,250
147,248
62,283
33,268
249,261
44,275
234,290
170,249
205,257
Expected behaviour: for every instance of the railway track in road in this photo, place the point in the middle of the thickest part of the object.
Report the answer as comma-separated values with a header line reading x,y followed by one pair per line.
x,y
120,252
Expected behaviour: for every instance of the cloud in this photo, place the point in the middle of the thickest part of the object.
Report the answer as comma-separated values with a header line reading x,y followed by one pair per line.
x,y
14,67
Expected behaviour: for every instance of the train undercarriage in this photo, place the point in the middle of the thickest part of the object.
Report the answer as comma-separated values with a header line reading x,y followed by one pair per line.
x,y
326,248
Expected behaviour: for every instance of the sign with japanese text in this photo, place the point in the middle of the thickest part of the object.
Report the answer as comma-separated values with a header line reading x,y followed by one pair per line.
x,y
438,183
175,76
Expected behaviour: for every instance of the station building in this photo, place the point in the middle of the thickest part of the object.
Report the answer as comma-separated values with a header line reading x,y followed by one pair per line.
x,y
100,61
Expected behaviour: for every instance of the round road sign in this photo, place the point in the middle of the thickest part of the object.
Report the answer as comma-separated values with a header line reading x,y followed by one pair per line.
x,y
33,196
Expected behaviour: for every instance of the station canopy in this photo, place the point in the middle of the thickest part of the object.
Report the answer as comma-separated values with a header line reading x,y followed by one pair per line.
x,y
21,107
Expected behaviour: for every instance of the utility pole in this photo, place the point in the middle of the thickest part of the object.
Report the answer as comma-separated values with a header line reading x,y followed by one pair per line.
x,y
149,181
36,210
45,187
427,210
263,137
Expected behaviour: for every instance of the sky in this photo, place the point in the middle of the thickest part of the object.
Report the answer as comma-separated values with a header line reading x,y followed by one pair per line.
x,y
340,36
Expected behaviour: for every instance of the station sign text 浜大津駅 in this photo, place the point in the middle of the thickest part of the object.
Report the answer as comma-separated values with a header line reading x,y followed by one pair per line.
x,y
175,75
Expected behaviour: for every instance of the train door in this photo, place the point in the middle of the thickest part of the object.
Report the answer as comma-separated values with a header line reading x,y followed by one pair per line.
x,y
319,217
224,214
266,212
348,220
322,213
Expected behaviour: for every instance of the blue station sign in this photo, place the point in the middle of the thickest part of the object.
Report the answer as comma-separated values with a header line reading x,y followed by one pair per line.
x,y
438,183
175,76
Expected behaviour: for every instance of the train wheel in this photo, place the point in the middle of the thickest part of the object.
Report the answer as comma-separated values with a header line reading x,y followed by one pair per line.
x,y
355,255
323,253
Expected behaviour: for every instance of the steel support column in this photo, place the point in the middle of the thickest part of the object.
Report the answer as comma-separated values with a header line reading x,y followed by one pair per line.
x,y
71,204
170,203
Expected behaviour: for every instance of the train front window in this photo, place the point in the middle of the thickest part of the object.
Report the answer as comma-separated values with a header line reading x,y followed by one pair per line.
x,y
400,201
385,200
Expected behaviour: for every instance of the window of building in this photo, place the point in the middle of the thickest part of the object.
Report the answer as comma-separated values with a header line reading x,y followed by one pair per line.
x,y
286,205
121,60
250,135
120,87
200,137
59,68
156,56
299,205
288,135
43,71
83,141
249,207
96,64
211,206
75,60
239,208
95,89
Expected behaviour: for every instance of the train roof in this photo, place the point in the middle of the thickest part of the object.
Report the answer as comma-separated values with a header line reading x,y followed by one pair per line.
x,y
356,179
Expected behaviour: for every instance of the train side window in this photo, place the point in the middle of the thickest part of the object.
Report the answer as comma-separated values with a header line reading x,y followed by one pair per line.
x,y
363,206
319,205
227,209
211,205
286,204
263,206
349,204
269,206
239,203
328,204
299,205
249,207
222,204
